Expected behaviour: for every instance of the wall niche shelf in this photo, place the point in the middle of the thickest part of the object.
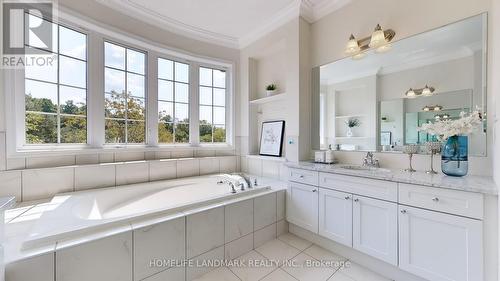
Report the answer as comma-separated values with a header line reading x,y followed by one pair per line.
x,y
350,116
263,157
269,99
346,138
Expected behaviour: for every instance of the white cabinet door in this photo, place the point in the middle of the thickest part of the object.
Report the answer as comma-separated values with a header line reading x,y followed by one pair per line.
x,y
335,216
375,228
302,206
440,247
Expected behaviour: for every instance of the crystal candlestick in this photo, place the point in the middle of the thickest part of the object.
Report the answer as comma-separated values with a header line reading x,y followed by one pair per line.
x,y
410,149
434,147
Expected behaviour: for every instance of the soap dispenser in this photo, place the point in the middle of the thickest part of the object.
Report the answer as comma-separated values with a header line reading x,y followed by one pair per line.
x,y
329,156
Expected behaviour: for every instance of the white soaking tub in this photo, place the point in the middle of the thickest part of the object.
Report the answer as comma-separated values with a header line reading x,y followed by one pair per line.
x,y
86,212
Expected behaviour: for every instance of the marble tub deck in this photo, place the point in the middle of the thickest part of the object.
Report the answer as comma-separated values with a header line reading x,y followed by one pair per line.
x,y
479,184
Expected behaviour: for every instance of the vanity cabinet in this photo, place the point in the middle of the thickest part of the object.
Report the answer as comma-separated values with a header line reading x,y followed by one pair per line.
x,y
335,216
434,233
366,224
440,246
375,228
302,206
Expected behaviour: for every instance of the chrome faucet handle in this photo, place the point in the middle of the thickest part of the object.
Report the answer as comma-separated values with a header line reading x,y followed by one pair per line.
x,y
242,186
233,190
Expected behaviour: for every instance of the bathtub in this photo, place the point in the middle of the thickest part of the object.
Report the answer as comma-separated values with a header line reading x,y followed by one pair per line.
x,y
82,213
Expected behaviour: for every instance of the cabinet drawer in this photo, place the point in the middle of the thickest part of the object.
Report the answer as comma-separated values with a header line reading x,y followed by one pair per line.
x,y
367,187
456,202
303,176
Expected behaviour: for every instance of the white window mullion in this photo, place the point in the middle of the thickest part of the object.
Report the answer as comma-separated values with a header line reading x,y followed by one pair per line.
x,y
95,94
152,100
230,104
194,104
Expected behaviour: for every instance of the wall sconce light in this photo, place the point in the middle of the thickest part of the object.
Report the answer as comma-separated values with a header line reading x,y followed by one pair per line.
x,y
440,117
379,40
432,108
425,92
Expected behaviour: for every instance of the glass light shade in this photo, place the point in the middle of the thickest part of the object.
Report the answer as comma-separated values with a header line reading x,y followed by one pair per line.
x,y
352,46
358,56
411,94
426,108
378,38
426,92
438,108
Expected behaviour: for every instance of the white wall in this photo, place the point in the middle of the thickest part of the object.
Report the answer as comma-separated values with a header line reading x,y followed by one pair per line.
x,y
329,36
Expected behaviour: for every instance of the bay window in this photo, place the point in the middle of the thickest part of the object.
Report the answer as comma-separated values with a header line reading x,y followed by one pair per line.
x,y
97,94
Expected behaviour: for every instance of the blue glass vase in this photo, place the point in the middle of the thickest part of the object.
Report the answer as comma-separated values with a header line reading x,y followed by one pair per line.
x,y
454,156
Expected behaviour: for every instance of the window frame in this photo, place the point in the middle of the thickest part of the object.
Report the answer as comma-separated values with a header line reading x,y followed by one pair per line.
x,y
227,101
189,103
22,90
96,35
126,71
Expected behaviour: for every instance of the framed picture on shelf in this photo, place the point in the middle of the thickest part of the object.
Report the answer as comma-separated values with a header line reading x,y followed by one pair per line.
x,y
271,138
385,138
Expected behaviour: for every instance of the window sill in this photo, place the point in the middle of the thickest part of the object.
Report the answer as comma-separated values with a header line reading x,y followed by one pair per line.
x,y
35,151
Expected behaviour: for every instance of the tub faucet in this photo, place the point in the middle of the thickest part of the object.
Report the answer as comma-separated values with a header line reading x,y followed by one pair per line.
x,y
230,183
242,180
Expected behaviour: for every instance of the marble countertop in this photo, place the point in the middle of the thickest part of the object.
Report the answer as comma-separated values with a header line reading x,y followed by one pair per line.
x,y
478,184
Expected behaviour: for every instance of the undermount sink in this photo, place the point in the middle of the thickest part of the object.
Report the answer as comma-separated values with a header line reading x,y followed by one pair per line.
x,y
364,168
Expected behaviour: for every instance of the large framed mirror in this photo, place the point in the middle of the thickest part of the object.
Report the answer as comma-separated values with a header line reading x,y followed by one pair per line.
x,y
448,64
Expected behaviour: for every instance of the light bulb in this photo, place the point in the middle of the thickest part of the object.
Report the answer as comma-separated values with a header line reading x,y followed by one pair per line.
x,y
358,56
383,49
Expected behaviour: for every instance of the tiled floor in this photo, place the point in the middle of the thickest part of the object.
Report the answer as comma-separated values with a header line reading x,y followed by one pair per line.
x,y
290,258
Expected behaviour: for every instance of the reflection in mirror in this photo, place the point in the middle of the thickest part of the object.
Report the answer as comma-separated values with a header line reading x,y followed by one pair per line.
x,y
425,78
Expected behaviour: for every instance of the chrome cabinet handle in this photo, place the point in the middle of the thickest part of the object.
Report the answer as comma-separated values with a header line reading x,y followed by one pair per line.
x,y
314,190
403,211
356,200
301,177
347,198
435,199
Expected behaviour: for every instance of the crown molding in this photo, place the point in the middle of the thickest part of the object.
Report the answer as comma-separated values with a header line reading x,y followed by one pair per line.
x,y
298,8
313,12
287,14
149,16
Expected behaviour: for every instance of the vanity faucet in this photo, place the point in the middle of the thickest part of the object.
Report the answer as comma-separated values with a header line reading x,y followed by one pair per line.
x,y
370,161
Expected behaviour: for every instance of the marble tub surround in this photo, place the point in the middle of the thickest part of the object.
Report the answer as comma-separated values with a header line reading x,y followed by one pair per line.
x,y
470,183
261,227
35,184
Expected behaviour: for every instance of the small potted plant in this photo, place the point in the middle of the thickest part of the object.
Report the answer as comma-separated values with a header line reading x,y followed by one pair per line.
x,y
351,123
271,89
